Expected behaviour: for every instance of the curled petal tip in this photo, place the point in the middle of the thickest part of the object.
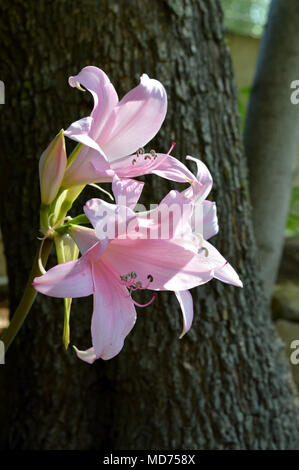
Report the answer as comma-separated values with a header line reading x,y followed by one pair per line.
x,y
186,303
144,77
88,356
75,84
184,331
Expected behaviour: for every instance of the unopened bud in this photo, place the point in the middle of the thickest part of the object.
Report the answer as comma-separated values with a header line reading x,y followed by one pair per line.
x,y
52,166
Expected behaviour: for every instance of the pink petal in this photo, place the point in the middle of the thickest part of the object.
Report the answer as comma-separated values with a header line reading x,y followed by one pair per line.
x,y
114,314
135,120
226,272
204,219
80,130
174,170
88,356
90,166
126,191
109,220
171,219
84,237
210,219
133,165
186,303
104,95
228,275
72,279
203,182
173,264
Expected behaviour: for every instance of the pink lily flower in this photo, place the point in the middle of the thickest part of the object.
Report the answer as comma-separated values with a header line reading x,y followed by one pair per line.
x,y
115,129
113,268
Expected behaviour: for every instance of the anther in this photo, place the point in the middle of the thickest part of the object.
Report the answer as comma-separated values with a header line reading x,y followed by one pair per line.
x,y
203,248
140,151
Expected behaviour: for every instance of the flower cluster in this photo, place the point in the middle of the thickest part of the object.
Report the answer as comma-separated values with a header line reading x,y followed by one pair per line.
x,y
129,248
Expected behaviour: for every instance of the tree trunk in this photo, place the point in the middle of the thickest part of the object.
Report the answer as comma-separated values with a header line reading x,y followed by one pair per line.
x,y
271,135
224,385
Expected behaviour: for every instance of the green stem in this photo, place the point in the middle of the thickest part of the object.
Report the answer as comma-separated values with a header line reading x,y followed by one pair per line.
x,y
74,155
28,297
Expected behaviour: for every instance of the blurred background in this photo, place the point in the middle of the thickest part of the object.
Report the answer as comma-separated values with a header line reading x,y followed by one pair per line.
x,y
245,21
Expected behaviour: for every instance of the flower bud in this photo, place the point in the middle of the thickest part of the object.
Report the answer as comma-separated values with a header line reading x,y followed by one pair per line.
x,y
52,165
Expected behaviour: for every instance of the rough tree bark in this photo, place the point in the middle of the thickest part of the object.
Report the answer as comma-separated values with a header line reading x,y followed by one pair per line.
x,y
271,135
224,385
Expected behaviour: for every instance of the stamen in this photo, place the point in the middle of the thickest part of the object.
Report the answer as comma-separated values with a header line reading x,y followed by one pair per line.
x,y
140,151
77,85
203,248
128,281
172,145
153,153
148,303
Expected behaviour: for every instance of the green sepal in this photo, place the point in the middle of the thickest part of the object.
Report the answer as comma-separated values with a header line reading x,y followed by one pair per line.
x,y
79,220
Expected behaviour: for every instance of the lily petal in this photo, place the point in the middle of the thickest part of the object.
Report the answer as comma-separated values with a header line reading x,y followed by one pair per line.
x,y
72,279
79,131
110,220
90,166
226,272
114,314
172,264
204,219
88,356
186,303
126,191
135,120
131,166
84,237
171,219
228,275
203,183
104,95
174,170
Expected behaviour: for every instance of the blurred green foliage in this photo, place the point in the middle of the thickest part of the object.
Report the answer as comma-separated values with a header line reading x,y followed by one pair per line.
x,y
243,97
246,17
293,215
